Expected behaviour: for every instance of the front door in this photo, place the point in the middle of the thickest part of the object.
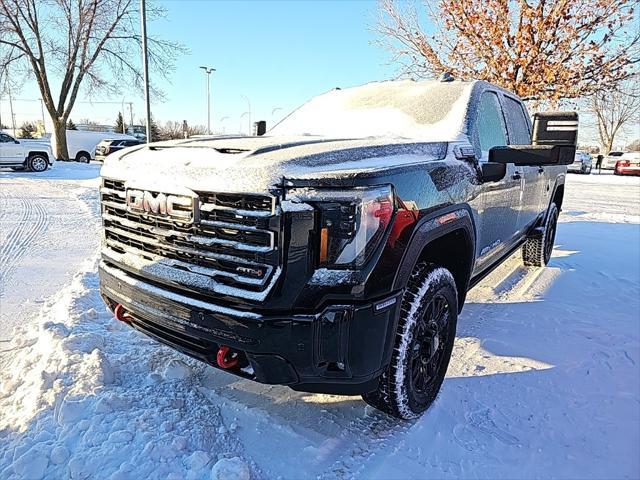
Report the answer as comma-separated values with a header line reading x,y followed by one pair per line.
x,y
500,200
10,151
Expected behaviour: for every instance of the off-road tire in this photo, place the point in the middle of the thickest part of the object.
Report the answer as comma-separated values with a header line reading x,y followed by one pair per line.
x,y
536,251
397,393
37,163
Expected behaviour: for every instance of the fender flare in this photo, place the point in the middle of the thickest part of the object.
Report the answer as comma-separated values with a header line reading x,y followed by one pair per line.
x,y
560,182
433,226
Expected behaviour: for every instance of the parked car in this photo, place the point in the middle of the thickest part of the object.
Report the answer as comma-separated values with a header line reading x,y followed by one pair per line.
x,y
582,163
629,164
334,254
609,161
32,155
81,144
107,147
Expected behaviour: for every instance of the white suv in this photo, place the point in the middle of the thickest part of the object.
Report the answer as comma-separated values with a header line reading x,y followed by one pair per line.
x,y
609,162
33,155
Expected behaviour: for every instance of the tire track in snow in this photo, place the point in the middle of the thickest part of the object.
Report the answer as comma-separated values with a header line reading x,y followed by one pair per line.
x,y
32,223
376,433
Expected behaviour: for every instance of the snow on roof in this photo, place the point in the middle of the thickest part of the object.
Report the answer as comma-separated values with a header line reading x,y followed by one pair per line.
x,y
427,111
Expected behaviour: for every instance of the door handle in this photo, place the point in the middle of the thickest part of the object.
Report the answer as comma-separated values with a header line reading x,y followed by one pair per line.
x,y
516,176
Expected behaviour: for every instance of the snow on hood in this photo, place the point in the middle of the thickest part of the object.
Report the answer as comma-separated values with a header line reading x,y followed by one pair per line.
x,y
254,164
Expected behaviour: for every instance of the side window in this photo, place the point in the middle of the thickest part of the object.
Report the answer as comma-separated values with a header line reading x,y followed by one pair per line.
x,y
5,138
517,124
490,124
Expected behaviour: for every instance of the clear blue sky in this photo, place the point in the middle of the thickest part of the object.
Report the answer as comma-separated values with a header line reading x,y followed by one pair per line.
x,y
276,53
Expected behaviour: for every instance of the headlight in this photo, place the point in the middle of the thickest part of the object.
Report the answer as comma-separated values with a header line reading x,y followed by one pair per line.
x,y
352,223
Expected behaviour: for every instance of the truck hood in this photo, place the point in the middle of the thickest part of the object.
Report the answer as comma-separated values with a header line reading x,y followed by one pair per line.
x,y
255,164
36,143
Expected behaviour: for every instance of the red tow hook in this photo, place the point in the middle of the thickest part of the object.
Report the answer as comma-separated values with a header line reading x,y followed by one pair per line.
x,y
121,314
225,360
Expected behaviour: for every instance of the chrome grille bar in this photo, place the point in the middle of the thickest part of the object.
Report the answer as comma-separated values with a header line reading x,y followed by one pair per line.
x,y
235,242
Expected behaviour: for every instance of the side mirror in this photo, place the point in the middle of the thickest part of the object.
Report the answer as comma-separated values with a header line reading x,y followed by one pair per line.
x,y
555,128
533,155
16,141
555,135
492,171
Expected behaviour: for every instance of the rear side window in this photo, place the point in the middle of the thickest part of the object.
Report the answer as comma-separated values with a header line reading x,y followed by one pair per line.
x,y
517,124
490,123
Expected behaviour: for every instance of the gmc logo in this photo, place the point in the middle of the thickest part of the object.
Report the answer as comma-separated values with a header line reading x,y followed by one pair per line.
x,y
178,207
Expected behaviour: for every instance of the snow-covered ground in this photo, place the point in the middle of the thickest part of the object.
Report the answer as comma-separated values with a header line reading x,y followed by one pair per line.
x,y
544,381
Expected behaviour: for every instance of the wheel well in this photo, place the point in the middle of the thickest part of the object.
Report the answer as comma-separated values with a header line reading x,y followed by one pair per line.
x,y
44,154
453,251
558,196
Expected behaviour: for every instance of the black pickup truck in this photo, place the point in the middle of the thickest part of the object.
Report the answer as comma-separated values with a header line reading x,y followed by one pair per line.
x,y
334,254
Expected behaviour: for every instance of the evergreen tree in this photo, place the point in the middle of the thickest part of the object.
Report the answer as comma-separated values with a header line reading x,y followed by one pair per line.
x,y
71,125
119,126
27,130
155,130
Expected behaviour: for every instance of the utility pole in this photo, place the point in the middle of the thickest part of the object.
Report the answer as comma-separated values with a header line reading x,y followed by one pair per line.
x,y
44,127
207,71
13,117
145,67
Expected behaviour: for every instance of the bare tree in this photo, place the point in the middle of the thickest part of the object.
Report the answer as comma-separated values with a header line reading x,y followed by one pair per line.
x,y
614,110
74,43
539,49
174,130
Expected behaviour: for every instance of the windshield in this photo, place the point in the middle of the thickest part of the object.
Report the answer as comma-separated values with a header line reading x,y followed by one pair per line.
x,y
428,111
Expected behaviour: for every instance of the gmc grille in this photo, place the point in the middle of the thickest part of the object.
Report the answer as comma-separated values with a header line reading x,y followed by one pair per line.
x,y
234,243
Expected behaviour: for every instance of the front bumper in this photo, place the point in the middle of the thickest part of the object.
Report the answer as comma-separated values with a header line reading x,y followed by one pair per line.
x,y
342,349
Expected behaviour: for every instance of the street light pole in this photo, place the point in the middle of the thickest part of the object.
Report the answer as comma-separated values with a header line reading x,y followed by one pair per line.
x,y
241,117
207,71
222,119
145,66
249,112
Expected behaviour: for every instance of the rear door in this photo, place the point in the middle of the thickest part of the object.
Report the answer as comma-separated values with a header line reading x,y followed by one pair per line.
x,y
498,219
519,132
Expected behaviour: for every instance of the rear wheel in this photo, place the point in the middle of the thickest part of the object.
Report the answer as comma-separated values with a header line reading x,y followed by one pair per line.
x,y
423,344
83,157
536,252
37,163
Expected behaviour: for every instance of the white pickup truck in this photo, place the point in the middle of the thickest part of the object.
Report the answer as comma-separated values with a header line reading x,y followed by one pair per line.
x,y
33,155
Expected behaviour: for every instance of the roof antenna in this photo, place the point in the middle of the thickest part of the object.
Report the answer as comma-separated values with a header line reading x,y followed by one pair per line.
x,y
446,77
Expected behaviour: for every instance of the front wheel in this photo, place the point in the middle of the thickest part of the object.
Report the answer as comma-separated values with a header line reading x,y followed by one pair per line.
x,y
536,251
422,346
37,163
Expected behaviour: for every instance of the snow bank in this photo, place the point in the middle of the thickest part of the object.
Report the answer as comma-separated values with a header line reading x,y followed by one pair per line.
x,y
82,396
